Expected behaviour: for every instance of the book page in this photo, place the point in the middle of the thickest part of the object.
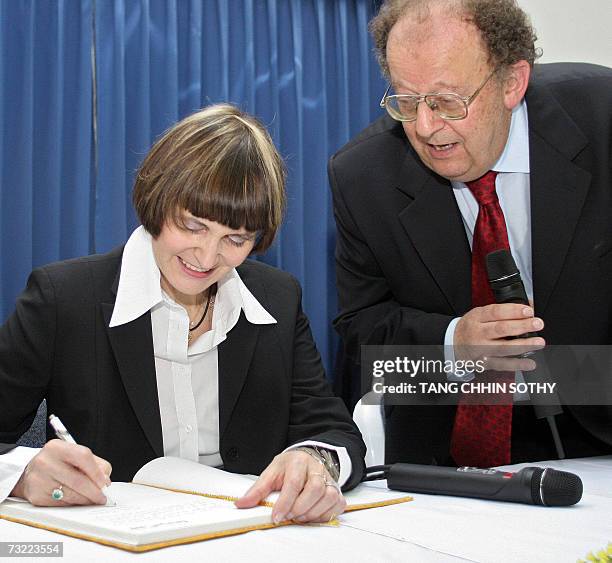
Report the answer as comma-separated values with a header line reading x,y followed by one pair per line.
x,y
142,515
189,476
185,475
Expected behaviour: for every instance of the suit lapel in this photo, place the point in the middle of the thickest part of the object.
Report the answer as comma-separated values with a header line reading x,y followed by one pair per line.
x,y
132,345
235,354
434,225
558,190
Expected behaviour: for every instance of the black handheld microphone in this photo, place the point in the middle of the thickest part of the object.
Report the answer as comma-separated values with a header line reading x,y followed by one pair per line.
x,y
505,280
530,485
507,286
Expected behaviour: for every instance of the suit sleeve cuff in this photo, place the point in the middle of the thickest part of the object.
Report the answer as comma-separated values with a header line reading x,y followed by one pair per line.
x,y
346,467
12,466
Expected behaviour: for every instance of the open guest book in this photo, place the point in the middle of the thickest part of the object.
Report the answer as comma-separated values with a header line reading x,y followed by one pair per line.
x,y
172,501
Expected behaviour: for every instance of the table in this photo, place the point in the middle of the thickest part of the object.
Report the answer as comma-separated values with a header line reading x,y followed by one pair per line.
x,y
429,529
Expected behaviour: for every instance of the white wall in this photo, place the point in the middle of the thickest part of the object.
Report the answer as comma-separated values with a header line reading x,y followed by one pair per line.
x,y
572,30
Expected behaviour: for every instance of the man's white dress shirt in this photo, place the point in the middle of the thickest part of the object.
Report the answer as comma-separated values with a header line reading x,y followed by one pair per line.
x,y
513,191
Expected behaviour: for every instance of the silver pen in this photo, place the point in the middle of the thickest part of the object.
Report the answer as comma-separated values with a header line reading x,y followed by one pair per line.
x,y
62,433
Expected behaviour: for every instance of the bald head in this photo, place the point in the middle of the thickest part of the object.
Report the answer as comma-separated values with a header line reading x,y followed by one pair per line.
x,y
501,25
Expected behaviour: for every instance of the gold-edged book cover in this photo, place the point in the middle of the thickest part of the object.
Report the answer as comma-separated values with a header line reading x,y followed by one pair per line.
x,y
171,501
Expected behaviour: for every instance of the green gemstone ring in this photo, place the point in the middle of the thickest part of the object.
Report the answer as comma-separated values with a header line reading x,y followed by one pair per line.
x,y
57,494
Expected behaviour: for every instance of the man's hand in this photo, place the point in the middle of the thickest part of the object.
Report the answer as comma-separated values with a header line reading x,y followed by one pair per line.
x,y
486,333
80,473
308,493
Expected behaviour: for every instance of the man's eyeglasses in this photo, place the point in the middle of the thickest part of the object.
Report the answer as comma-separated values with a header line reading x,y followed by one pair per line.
x,y
403,107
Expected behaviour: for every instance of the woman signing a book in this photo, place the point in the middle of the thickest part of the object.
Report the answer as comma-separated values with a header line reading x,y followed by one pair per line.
x,y
176,345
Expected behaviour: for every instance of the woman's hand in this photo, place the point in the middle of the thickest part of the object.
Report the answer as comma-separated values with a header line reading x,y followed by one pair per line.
x,y
73,469
308,493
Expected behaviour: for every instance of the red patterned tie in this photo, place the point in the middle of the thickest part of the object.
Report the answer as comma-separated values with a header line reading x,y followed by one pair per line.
x,y
481,434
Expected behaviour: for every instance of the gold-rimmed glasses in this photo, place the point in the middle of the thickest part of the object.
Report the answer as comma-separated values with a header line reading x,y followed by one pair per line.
x,y
403,107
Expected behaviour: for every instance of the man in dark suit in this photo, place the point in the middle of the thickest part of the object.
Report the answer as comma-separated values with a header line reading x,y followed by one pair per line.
x,y
407,213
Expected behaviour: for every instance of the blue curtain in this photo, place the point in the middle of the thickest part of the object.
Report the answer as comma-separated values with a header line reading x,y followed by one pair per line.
x,y
86,86
45,137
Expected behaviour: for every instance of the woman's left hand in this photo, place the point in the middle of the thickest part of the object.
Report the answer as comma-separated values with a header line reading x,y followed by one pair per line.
x,y
308,493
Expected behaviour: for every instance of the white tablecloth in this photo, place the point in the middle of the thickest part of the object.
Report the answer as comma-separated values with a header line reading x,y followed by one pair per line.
x,y
429,529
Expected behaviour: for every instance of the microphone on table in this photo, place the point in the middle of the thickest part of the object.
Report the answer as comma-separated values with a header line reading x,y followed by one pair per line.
x,y
507,285
530,485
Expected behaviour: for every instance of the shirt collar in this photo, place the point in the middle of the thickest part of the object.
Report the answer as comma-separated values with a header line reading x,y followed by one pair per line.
x,y
233,295
139,281
515,157
139,287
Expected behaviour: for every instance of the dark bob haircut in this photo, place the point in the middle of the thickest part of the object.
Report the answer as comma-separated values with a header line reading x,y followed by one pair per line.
x,y
219,164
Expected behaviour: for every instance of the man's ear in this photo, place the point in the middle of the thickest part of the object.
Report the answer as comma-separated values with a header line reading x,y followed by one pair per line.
x,y
515,83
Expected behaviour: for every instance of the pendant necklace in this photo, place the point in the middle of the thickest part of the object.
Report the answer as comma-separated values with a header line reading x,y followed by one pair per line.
x,y
195,326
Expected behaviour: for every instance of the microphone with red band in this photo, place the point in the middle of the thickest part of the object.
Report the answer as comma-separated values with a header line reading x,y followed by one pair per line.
x,y
530,485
